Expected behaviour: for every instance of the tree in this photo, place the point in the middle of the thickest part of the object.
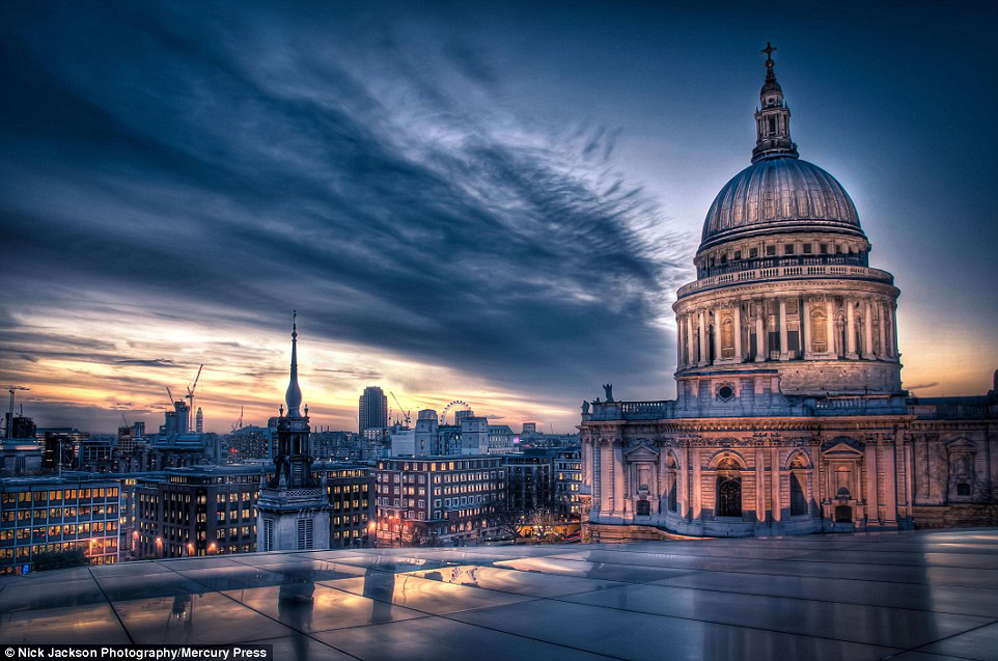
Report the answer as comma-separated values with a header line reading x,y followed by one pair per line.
x,y
75,557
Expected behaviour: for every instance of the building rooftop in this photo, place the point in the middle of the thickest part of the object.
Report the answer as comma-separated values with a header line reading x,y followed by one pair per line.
x,y
909,596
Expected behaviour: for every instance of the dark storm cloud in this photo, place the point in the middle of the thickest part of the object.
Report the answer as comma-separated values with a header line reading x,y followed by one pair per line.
x,y
232,168
154,362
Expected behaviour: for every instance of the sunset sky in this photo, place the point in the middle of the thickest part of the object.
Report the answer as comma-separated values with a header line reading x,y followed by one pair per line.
x,y
474,201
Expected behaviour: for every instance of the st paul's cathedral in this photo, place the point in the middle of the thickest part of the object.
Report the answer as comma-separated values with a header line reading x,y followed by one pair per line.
x,y
790,416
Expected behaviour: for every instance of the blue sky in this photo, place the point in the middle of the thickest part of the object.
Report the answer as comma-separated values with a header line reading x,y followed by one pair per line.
x,y
486,202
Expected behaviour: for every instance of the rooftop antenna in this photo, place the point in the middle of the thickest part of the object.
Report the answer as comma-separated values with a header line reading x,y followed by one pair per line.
x,y
10,414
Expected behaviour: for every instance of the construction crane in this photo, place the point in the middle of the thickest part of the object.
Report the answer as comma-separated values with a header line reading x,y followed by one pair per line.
x,y
239,423
190,396
10,414
170,395
407,414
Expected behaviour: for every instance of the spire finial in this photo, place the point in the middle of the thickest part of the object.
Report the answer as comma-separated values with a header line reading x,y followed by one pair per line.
x,y
768,50
293,394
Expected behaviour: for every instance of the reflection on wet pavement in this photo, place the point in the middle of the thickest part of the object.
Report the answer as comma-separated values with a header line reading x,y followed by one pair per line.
x,y
920,596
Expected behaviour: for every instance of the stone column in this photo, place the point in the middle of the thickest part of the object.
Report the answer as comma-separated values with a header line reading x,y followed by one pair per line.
x,y
690,344
775,485
830,325
738,332
695,487
606,481
619,476
867,330
872,497
680,354
703,338
851,330
627,508
806,340
760,485
890,484
683,483
894,331
717,335
784,343
760,332
881,310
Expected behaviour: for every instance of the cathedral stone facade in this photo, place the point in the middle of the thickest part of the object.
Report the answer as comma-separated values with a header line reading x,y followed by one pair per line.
x,y
790,416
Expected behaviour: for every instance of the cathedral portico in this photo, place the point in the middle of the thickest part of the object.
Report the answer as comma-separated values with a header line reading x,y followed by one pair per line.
x,y
789,414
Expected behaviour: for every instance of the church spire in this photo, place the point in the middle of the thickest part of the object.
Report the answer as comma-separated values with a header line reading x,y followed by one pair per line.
x,y
772,119
293,395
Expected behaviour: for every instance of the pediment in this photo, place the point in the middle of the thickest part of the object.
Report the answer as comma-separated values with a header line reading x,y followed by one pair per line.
x,y
961,445
842,447
641,452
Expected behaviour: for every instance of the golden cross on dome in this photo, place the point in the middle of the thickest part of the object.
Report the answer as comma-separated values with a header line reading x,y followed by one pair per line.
x,y
768,50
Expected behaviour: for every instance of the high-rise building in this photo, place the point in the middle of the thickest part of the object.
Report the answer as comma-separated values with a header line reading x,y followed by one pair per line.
x,y
199,421
373,410
293,510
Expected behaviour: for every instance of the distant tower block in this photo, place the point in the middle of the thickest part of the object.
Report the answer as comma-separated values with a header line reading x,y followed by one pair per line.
x,y
199,421
372,410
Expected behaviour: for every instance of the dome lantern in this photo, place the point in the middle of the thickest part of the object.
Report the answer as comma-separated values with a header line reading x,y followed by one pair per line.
x,y
772,119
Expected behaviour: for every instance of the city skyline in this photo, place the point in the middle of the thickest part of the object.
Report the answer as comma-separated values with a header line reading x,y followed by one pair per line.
x,y
167,194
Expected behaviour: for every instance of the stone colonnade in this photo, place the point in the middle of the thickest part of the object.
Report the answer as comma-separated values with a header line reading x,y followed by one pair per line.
x,y
760,328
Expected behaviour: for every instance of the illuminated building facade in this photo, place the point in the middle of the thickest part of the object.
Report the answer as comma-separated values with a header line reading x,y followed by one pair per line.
x,y
438,501
49,515
196,511
790,416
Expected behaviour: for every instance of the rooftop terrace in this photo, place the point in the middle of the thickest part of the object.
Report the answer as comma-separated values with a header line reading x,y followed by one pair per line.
x,y
910,596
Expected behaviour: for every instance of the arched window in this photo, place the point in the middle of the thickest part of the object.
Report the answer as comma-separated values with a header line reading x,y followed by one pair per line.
x,y
798,500
729,497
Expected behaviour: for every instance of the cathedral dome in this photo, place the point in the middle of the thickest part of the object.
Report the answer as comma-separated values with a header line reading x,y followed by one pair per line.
x,y
778,194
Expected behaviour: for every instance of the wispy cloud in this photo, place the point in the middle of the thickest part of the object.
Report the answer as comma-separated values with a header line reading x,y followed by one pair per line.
x,y
164,168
